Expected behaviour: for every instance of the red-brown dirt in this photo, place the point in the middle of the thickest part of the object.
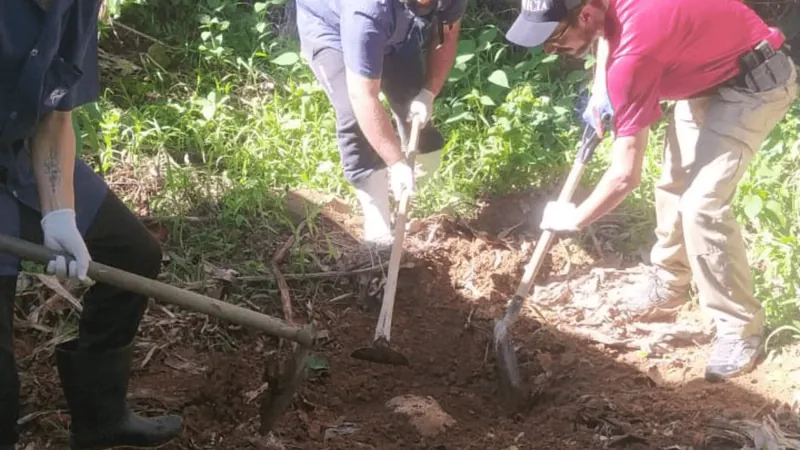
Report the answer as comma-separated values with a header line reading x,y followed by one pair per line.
x,y
583,395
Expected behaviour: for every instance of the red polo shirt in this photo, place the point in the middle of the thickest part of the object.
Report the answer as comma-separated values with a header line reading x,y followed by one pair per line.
x,y
673,49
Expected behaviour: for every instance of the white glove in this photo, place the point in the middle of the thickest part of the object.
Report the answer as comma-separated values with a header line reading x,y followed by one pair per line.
x,y
401,177
421,106
61,235
559,216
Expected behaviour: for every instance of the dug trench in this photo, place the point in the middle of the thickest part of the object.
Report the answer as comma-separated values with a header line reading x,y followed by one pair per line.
x,y
582,394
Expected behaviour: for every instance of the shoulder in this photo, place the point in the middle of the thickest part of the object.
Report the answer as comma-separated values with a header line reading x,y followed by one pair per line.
x,y
630,70
639,26
376,9
359,16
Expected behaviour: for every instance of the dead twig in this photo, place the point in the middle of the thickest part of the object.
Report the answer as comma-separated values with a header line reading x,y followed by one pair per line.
x,y
116,23
286,299
54,284
320,275
341,297
596,242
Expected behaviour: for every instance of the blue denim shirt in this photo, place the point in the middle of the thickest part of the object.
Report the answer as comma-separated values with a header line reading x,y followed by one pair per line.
x,y
48,61
366,30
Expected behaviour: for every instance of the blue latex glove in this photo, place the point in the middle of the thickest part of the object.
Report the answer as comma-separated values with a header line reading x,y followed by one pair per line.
x,y
598,111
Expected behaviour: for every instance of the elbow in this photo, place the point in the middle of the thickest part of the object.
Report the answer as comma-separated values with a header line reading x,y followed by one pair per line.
x,y
356,96
362,100
625,182
360,94
53,125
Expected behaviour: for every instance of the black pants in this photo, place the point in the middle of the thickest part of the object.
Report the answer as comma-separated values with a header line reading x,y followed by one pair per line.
x,y
110,317
403,77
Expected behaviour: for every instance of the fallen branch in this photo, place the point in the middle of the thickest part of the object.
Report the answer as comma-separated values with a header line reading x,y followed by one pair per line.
x,y
319,275
117,23
286,299
53,283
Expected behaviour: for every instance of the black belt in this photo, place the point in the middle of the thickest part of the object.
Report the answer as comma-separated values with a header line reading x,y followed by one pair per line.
x,y
759,68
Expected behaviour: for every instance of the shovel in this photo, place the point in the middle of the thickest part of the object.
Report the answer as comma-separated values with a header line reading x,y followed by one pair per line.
x,y
506,358
380,351
277,402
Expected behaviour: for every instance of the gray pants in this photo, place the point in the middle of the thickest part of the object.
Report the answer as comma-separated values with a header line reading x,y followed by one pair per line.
x,y
709,144
403,77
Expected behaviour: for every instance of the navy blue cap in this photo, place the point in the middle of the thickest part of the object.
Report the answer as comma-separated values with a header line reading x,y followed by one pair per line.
x,y
538,20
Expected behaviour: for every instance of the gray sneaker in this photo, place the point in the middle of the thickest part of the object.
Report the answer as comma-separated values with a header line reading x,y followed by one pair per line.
x,y
657,298
731,357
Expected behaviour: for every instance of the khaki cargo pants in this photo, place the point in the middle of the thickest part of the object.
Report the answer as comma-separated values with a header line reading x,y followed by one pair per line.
x,y
708,146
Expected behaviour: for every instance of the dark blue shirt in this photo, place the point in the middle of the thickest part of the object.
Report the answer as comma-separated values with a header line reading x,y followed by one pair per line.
x,y
48,61
364,30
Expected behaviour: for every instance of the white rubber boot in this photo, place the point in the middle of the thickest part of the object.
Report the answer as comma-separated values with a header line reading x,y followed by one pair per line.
x,y
373,194
426,164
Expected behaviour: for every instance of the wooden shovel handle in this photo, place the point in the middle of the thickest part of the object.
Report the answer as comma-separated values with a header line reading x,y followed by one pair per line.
x,y
589,143
166,293
384,327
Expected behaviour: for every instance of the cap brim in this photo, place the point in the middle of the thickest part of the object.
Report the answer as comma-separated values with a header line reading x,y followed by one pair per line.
x,y
530,34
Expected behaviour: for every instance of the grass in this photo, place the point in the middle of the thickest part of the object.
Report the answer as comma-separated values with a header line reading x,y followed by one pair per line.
x,y
236,118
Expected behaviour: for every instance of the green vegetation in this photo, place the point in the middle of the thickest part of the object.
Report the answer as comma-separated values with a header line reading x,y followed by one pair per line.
x,y
229,103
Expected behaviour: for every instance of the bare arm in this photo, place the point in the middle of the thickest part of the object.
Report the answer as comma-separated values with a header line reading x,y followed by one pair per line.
x,y
372,118
53,155
621,178
601,65
440,60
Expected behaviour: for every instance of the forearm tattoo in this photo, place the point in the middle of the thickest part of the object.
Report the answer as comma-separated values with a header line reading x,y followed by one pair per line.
x,y
52,169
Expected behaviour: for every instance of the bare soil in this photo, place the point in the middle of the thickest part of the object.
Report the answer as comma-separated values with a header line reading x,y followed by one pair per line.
x,y
583,394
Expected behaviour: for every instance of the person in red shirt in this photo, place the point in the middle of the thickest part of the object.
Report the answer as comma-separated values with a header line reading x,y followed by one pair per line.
x,y
732,82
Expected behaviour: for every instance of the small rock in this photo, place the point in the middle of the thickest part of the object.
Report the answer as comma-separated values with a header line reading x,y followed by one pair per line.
x,y
424,414
545,361
269,442
344,429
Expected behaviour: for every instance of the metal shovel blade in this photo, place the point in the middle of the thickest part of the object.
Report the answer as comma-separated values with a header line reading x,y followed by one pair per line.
x,y
506,357
381,353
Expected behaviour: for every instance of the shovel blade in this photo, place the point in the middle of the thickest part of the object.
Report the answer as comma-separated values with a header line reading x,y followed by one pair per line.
x,y
381,353
506,360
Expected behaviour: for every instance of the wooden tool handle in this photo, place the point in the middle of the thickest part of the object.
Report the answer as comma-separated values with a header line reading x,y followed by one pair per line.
x,y
384,327
166,293
589,143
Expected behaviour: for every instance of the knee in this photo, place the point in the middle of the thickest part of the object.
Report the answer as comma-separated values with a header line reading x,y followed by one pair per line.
x,y
144,254
150,257
707,228
704,211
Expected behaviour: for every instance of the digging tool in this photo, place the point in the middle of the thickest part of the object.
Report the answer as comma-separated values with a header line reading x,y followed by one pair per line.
x,y
506,358
166,293
277,401
380,351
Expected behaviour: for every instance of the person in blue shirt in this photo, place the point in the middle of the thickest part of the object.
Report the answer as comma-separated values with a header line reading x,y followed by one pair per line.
x,y
358,49
48,67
